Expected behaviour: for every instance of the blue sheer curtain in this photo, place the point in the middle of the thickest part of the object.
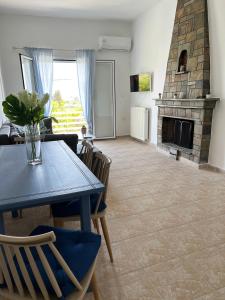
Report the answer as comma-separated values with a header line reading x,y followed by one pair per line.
x,y
86,71
43,73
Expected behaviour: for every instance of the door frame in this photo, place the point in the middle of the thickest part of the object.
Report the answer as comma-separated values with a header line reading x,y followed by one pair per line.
x,y
112,62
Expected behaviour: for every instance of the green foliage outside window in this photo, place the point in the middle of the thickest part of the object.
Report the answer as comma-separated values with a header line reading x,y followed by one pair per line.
x,y
69,114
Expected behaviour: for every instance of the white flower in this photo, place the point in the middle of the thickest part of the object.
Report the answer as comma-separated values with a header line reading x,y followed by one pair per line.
x,y
23,97
31,101
44,100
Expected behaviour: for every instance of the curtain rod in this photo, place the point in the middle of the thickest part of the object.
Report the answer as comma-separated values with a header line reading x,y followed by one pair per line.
x,y
64,50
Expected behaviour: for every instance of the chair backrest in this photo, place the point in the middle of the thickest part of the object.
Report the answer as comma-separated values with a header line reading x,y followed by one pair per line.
x,y
11,260
101,168
87,153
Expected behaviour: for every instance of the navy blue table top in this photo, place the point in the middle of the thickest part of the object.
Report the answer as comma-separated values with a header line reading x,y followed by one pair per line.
x,y
61,176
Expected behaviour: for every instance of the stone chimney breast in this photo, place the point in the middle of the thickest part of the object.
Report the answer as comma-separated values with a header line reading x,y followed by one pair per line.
x,y
188,68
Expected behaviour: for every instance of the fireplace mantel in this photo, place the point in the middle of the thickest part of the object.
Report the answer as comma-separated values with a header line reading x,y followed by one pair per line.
x,y
203,103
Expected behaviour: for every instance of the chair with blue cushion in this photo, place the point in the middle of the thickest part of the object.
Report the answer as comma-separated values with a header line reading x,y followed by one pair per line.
x,y
52,263
70,210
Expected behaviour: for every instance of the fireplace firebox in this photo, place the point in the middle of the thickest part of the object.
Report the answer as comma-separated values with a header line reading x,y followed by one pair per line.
x,y
179,132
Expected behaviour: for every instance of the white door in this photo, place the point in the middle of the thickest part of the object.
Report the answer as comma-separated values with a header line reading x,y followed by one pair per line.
x,y
104,100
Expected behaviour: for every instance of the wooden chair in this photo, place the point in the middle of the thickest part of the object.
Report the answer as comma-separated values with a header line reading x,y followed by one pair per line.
x,y
86,153
100,167
17,261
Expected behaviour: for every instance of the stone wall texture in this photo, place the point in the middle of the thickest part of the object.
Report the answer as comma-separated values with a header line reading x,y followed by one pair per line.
x,y
190,33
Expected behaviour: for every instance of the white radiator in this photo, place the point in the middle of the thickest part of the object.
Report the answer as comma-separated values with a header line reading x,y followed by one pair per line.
x,y
139,123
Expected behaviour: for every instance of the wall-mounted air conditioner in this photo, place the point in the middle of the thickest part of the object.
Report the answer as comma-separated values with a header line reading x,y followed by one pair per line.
x,y
114,43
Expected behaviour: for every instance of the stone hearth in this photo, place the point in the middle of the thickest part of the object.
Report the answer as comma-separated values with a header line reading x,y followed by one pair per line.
x,y
198,110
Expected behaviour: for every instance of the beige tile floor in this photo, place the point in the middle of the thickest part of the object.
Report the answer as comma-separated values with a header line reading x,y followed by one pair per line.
x,y
167,226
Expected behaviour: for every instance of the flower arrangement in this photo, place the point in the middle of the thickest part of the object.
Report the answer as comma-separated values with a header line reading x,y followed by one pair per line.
x,y
25,109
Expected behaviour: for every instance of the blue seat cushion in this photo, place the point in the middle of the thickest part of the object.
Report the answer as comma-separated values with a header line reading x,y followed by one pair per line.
x,y
79,250
72,208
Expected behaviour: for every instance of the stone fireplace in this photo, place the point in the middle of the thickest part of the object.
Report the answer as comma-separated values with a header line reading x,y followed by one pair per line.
x,y
185,125
186,109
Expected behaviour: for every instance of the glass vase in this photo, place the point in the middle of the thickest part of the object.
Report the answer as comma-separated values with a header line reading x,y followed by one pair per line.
x,y
33,144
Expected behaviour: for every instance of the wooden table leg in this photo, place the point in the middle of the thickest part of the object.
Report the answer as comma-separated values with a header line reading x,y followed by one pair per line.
x,y
85,213
2,225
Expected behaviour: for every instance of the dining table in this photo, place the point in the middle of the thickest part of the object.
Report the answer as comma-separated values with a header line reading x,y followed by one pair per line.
x,y
60,177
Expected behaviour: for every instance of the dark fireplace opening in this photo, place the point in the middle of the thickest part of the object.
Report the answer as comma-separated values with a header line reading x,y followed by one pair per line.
x,y
178,131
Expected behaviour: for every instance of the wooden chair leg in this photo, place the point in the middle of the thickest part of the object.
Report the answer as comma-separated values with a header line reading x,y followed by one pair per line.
x,y
106,236
94,287
50,212
96,225
1,278
58,223
21,213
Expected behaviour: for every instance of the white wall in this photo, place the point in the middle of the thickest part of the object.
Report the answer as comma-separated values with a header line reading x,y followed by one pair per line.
x,y
1,97
152,34
60,33
217,48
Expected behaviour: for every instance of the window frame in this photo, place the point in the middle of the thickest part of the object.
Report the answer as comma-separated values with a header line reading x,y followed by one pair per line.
x,y
21,56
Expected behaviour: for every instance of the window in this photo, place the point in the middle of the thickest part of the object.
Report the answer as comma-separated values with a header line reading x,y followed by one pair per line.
x,y
66,106
27,73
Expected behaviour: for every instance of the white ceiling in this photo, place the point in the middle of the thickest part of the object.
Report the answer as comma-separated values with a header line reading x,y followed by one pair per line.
x,y
87,9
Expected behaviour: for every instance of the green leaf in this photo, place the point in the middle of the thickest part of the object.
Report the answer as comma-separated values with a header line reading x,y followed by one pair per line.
x,y
15,111
54,119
